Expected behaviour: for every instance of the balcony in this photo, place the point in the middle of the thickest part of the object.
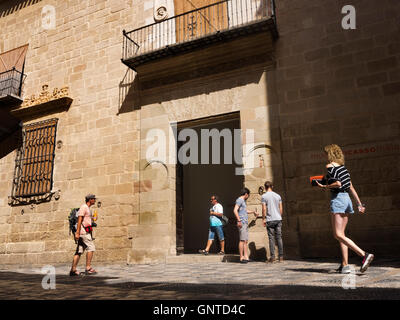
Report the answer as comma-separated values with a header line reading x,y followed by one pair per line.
x,y
11,82
226,30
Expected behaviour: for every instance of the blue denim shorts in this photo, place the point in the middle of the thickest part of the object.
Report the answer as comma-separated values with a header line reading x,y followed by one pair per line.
x,y
218,230
341,203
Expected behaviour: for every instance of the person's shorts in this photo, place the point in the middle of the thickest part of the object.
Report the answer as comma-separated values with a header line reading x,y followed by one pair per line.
x,y
244,232
85,242
218,230
341,203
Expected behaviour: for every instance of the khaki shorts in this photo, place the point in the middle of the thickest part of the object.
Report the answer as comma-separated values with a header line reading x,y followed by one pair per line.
x,y
85,242
244,232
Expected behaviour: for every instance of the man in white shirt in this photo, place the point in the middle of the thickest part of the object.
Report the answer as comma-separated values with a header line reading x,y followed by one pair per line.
x,y
216,213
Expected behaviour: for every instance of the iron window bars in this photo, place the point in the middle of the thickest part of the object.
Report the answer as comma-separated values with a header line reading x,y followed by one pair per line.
x,y
11,82
195,24
34,163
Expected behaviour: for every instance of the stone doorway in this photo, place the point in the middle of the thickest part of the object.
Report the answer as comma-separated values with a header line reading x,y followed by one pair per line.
x,y
195,182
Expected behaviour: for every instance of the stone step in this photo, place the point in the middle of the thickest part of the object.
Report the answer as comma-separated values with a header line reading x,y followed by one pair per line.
x,y
200,258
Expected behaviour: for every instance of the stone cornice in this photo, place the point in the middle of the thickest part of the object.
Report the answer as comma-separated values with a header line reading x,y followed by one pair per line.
x,y
45,102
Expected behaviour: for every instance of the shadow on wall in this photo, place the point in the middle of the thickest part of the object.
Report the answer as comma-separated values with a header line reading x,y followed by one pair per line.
x,y
129,98
12,6
257,254
317,108
132,95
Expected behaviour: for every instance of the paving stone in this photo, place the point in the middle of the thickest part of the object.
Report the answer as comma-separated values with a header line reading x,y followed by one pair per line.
x,y
216,280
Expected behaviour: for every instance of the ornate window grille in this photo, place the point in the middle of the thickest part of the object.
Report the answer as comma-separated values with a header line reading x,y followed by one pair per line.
x,y
34,164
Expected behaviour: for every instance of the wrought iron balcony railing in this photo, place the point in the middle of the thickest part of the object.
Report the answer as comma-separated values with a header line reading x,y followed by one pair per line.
x,y
11,83
201,23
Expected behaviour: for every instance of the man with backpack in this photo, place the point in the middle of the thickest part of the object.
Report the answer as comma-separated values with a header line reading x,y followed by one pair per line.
x,y
83,237
216,224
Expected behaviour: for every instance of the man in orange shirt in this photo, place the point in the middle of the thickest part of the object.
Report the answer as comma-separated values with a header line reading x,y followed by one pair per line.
x,y
84,238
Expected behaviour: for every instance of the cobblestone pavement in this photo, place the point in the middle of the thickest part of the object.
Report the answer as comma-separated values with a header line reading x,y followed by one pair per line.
x,y
206,281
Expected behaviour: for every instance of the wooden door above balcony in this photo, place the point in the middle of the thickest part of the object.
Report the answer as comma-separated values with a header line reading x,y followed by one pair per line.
x,y
218,37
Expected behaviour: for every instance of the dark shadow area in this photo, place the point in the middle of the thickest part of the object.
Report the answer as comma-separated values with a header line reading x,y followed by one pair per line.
x,y
200,181
305,118
308,270
257,254
326,271
12,6
19,286
49,108
129,89
133,94
389,263
61,279
10,133
231,258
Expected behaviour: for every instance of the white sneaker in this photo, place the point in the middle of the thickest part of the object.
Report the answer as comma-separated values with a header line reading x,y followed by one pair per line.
x,y
366,261
346,269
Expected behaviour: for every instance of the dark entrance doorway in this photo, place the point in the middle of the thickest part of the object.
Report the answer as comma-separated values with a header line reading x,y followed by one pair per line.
x,y
195,183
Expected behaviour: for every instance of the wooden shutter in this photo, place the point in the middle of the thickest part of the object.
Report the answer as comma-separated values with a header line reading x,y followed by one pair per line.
x,y
13,59
200,22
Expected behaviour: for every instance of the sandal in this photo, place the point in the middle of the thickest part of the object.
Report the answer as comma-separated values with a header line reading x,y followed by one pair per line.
x,y
203,252
73,273
91,271
221,253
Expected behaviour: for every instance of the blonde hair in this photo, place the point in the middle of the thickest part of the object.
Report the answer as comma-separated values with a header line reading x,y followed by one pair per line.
x,y
335,154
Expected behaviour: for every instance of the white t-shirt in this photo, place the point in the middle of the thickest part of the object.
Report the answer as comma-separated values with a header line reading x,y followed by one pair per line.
x,y
214,220
272,200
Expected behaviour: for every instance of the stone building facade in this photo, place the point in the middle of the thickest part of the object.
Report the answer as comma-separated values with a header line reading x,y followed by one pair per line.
x,y
292,85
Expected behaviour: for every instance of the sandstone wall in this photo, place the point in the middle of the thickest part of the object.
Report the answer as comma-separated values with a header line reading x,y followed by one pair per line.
x,y
326,85
340,86
99,148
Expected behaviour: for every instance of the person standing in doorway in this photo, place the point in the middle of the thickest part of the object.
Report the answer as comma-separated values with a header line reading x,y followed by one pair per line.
x,y
272,210
83,236
241,214
216,213
339,184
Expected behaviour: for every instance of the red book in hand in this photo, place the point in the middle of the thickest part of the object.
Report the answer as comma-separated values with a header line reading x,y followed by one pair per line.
x,y
314,179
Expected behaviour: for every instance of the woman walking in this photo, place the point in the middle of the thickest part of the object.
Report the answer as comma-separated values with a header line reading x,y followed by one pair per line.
x,y
339,183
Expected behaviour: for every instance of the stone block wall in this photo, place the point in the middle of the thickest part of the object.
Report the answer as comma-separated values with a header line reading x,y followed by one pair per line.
x,y
100,149
327,85
340,86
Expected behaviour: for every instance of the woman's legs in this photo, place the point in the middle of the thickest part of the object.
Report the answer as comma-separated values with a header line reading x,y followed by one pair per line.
x,y
343,248
339,222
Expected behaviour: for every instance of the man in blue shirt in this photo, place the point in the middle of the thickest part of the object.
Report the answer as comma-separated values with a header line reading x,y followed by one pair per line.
x,y
241,214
